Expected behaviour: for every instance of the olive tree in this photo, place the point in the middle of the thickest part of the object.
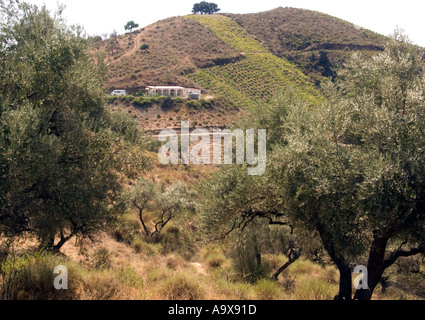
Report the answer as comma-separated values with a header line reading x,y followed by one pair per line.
x,y
131,25
163,205
61,152
204,7
350,169
248,213
353,167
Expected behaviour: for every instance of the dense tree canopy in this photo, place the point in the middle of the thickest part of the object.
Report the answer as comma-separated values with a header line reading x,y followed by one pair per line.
x,y
204,7
131,25
60,149
351,168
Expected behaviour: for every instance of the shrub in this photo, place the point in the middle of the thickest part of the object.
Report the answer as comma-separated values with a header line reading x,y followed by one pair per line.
x,y
167,103
178,100
31,277
112,99
126,230
207,104
142,102
144,47
139,93
192,104
266,289
308,288
174,241
148,249
102,259
215,260
174,262
213,257
181,287
244,258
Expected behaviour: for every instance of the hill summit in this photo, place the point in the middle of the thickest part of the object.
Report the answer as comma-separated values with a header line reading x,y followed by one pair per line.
x,y
238,58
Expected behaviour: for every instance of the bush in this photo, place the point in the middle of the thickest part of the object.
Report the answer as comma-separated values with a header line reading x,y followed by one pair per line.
x,y
213,257
207,104
193,104
102,259
174,241
144,47
142,102
126,230
139,93
308,288
31,277
215,260
178,100
167,103
266,289
245,263
147,249
181,287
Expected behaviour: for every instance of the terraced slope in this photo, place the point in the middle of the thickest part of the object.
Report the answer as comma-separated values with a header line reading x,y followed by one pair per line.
x,y
257,77
316,42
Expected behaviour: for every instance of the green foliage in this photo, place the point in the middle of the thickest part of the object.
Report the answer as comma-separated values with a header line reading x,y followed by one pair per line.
x,y
266,289
246,256
350,168
102,259
143,102
167,103
131,25
165,205
59,158
144,47
182,287
256,77
31,277
204,7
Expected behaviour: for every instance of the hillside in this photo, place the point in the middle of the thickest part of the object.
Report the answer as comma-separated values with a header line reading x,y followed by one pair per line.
x,y
314,41
239,59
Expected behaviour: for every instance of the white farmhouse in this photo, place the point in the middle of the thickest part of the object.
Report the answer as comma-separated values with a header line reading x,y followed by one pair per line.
x,y
173,91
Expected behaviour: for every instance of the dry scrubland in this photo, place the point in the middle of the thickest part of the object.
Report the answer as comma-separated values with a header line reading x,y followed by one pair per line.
x,y
123,264
116,270
238,61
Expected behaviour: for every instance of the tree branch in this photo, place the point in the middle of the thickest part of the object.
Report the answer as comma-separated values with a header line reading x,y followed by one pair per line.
x,y
401,253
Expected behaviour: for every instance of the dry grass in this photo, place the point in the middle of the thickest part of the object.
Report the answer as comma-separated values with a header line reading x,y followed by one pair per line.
x,y
149,121
130,275
174,50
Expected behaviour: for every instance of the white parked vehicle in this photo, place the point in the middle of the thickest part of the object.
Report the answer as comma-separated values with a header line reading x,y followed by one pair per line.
x,y
118,93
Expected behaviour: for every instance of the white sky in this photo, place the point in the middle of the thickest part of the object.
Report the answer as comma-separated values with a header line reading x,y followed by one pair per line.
x,y
103,16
